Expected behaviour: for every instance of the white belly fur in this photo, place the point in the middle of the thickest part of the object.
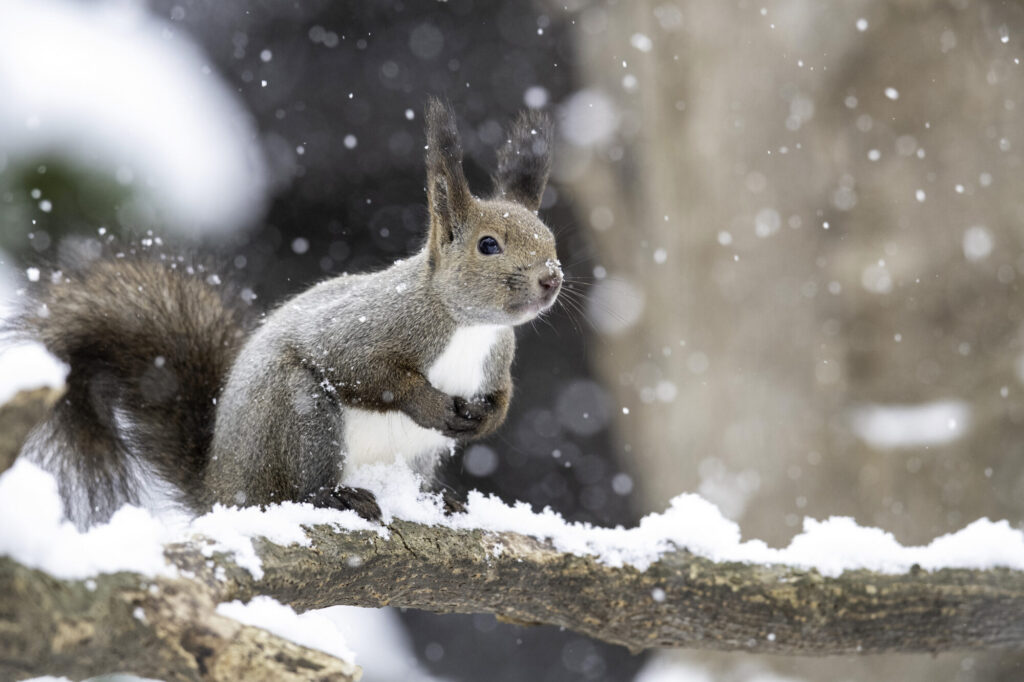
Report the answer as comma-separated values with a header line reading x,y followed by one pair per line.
x,y
386,437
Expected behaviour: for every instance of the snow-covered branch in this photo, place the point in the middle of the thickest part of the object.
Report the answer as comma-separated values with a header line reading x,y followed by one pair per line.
x,y
163,628
169,629
680,600
681,579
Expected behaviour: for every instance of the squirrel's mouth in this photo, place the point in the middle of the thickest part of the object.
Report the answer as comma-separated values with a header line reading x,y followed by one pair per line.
x,y
544,282
530,309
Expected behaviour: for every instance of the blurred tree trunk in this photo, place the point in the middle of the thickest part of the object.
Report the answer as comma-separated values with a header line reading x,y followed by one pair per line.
x,y
783,201
856,291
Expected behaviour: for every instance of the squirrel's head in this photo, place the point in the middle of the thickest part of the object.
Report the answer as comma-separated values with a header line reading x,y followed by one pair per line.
x,y
492,260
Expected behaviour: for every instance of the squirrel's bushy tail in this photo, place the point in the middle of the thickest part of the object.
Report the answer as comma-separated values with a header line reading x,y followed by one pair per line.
x,y
149,340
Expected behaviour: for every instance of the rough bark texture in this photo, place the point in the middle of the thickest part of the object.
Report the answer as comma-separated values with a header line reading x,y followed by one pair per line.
x,y
157,628
18,416
81,628
680,601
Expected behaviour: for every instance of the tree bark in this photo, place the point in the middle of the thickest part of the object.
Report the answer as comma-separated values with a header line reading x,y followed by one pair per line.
x,y
74,627
18,416
53,626
153,627
680,601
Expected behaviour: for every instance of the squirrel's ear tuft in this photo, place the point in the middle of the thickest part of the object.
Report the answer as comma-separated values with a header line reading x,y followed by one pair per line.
x,y
447,191
524,162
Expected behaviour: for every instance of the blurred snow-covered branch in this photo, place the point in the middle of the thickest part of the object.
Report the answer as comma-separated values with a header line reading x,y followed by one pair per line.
x,y
108,88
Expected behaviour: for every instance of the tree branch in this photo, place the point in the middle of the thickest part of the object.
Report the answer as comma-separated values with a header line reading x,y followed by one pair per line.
x,y
680,601
18,416
153,627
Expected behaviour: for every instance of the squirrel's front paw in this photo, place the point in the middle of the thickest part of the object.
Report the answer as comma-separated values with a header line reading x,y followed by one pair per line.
x,y
466,418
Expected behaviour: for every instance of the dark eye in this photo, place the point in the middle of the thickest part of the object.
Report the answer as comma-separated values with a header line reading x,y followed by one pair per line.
x,y
488,246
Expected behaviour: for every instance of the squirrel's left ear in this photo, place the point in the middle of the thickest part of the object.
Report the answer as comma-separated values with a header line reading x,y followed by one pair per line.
x,y
524,162
448,194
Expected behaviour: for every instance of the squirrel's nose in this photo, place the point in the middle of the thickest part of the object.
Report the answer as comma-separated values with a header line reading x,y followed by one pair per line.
x,y
549,282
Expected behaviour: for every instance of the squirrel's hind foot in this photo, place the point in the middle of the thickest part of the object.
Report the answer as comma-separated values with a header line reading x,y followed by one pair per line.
x,y
452,503
359,500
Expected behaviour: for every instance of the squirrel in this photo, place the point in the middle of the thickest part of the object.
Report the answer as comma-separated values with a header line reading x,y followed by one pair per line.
x,y
168,383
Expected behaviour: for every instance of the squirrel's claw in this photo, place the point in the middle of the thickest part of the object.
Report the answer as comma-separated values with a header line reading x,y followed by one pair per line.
x,y
359,500
452,503
466,417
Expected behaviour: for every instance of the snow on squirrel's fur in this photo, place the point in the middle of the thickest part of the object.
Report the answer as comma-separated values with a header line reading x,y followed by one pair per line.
x,y
34,533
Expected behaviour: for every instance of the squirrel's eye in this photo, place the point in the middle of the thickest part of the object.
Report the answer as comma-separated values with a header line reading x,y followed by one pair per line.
x,y
488,246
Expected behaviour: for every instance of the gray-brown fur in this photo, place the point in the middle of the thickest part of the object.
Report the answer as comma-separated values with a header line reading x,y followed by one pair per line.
x,y
349,347
524,161
148,341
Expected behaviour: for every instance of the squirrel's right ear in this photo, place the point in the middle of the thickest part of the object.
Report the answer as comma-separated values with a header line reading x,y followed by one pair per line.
x,y
448,193
525,161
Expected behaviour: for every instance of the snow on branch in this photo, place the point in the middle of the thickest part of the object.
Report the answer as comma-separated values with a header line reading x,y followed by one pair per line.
x,y
680,600
162,628
167,627
681,579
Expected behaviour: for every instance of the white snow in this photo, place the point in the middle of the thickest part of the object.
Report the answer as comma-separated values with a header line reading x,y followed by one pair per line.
x,y
535,97
662,668
977,243
589,118
910,426
24,366
831,546
641,42
383,644
615,305
233,528
876,278
677,666
121,92
27,366
767,222
34,533
312,629
398,493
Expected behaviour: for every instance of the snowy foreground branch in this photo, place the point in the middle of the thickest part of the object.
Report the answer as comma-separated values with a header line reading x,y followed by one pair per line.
x,y
167,629
154,610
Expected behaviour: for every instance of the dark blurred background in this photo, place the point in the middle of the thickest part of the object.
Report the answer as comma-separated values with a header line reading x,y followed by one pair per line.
x,y
797,227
